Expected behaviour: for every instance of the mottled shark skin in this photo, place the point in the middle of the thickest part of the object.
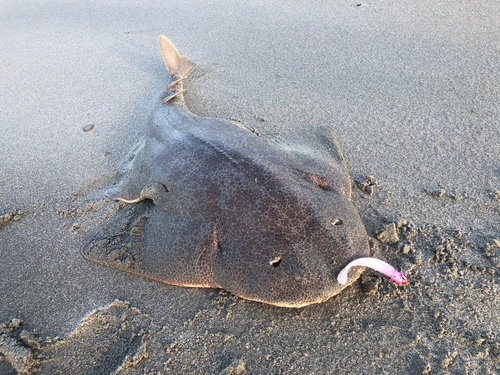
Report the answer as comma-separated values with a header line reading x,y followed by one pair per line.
x,y
211,204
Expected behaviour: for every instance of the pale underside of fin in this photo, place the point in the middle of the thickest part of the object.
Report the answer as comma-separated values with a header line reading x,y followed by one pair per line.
x,y
179,67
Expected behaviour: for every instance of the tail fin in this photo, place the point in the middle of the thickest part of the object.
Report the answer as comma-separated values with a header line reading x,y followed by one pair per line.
x,y
179,67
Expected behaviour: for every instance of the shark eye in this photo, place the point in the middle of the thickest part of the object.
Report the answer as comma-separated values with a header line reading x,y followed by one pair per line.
x,y
275,262
337,222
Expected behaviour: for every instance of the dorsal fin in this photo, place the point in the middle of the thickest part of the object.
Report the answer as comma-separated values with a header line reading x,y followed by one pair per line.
x,y
178,66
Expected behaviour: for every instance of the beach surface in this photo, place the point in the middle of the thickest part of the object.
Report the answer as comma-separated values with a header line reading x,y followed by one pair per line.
x,y
412,90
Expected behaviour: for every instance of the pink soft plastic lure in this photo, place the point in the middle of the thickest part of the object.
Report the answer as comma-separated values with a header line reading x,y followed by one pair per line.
x,y
378,265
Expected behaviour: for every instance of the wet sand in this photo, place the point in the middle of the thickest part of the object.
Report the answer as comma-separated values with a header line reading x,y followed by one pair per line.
x,y
412,89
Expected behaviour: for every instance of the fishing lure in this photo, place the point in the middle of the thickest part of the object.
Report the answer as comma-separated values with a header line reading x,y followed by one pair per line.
x,y
378,265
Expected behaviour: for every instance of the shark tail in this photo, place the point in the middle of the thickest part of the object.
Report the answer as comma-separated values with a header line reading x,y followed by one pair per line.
x,y
179,67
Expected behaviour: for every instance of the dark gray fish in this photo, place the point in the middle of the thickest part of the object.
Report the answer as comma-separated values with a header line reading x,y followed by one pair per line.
x,y
213,205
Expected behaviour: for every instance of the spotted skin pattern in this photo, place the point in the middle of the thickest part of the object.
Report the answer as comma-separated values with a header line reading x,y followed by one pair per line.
x,y
207,203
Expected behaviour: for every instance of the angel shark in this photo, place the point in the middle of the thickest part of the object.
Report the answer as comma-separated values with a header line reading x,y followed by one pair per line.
x,y
208,203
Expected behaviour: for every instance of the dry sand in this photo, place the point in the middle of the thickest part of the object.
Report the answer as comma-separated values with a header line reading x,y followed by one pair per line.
x,y
413,89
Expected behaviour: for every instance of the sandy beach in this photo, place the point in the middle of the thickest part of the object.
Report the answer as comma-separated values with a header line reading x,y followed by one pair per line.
x,y
412,90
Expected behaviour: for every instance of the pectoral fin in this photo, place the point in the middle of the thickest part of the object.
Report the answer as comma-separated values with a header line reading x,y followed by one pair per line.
x,y
158,245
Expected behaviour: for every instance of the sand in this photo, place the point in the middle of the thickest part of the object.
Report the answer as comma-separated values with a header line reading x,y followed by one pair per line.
x,y
412,89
